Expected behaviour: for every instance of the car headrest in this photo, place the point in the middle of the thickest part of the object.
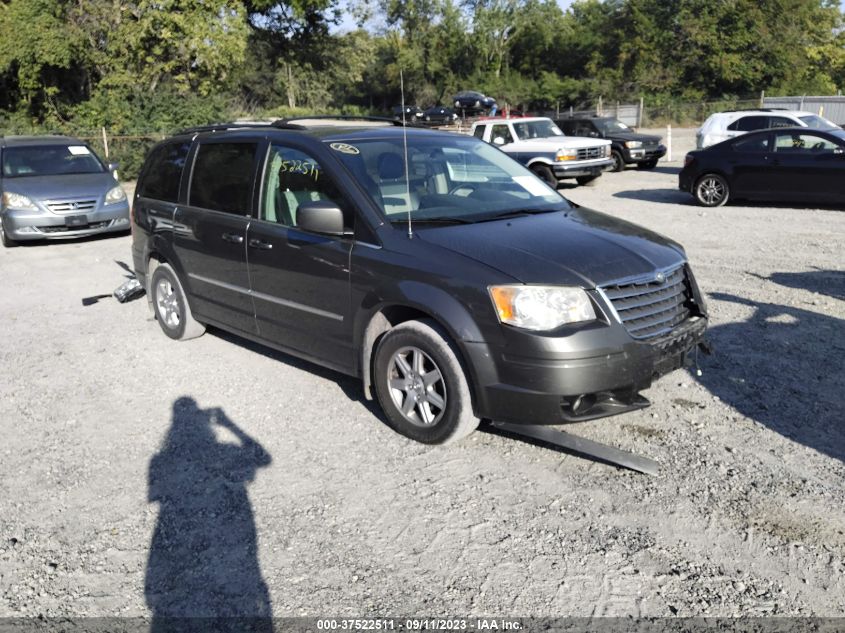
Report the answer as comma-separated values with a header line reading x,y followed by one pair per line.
x,y
390,166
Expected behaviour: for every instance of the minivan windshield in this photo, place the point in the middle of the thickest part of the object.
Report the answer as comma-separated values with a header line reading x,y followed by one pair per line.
x,y
450,179
50,160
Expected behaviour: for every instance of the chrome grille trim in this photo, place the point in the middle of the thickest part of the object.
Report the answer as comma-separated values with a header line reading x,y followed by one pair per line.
x,y
71,206
586,153
649,308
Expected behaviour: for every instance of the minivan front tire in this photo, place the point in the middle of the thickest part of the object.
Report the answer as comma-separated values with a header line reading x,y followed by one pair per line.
x,y
420,384
171,306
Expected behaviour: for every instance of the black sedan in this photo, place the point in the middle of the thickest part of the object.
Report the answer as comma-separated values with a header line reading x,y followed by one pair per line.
x,y
795,164
472,101
439,114
408,113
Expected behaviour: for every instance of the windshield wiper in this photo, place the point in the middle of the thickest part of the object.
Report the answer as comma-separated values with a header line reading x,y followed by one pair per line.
x,y
436,220
516,213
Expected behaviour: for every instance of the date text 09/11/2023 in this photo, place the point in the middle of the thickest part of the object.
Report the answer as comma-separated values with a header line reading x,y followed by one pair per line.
x,y
418,624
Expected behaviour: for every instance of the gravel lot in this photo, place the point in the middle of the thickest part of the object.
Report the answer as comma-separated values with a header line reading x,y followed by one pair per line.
x,y
140,475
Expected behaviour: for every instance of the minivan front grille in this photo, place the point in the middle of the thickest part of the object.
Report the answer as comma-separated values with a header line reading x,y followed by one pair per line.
x,y
586,153
71,206
651,308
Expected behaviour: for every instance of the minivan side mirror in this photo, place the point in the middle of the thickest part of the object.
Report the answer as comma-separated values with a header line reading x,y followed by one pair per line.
x,y
322,216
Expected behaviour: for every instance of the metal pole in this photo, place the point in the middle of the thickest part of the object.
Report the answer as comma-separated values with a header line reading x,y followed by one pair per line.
x,y
669,143
640,114
105,143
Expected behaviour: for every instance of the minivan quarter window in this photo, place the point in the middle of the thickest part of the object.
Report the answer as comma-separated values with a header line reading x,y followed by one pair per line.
x,y
223,176
164,172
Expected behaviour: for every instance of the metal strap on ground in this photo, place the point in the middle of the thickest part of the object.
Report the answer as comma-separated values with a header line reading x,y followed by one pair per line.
x,y
583,446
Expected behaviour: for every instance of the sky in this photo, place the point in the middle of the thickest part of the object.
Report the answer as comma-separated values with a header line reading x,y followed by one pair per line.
x,y
348,23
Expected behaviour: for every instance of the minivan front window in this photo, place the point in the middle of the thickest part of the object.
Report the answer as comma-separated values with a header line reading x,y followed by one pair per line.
x,y
447,178
50,160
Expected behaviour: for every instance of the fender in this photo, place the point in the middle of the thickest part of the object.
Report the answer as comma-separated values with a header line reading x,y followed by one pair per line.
x,y
411,300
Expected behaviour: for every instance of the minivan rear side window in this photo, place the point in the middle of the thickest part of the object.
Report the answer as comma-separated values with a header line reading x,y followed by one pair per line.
x,y
223,177
164,171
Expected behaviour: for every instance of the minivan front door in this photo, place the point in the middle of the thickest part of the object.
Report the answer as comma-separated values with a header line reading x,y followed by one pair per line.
x,y
300,281
210,233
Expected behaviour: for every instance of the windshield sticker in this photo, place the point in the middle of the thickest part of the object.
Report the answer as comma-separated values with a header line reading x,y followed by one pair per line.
x,y
78,150
344,148
532,185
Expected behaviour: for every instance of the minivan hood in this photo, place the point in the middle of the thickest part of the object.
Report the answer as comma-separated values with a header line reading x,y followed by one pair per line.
x,y
576,247
61,187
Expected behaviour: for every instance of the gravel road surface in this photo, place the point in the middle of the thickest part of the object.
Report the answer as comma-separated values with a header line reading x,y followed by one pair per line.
x,y
141,476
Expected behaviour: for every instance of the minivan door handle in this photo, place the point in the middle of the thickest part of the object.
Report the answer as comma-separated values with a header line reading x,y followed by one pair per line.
x,y
261,244
234,238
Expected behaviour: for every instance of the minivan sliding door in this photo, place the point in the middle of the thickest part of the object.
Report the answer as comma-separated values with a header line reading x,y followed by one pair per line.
x,y
210,240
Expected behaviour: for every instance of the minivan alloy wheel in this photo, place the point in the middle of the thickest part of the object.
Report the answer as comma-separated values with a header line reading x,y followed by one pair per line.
x,y
168,303
417,386
421,384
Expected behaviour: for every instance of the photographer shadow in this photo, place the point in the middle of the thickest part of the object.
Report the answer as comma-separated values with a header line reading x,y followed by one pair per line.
x,y
782,368
203,570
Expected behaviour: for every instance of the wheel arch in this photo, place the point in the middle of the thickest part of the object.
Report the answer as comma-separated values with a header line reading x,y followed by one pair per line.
x,y
387,316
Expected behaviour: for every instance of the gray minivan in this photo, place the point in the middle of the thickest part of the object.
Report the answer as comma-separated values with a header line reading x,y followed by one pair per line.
x,y
445,275
56,187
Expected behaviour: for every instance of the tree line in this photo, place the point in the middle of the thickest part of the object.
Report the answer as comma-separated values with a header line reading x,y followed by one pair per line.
x,y
134,65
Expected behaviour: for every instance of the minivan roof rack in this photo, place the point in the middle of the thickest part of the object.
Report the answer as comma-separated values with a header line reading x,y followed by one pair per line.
x,y
327,119
234,125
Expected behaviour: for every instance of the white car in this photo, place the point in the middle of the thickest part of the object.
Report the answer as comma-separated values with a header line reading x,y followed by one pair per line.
x,y
724,125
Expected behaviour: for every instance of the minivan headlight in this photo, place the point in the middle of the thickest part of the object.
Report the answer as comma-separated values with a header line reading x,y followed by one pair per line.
x,y
541,307
115,195
18,201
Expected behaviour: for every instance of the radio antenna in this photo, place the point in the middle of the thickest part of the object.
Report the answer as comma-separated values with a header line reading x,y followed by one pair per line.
x,y
405,148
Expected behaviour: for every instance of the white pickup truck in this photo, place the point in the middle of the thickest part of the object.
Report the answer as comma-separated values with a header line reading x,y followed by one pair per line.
x,y
539,144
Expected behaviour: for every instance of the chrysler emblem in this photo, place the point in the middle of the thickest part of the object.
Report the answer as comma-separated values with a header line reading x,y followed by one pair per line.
x,y
660,278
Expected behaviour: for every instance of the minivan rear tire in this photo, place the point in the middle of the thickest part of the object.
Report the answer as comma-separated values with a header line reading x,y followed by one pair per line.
x,y
171,305
416,364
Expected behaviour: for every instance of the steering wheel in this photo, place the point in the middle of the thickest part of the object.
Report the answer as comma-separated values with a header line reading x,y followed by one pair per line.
x,y
467,187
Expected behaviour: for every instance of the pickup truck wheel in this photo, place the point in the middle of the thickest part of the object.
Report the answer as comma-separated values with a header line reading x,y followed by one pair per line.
x,y
171,306
711,190
585,180
618,161
545,173
421,385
